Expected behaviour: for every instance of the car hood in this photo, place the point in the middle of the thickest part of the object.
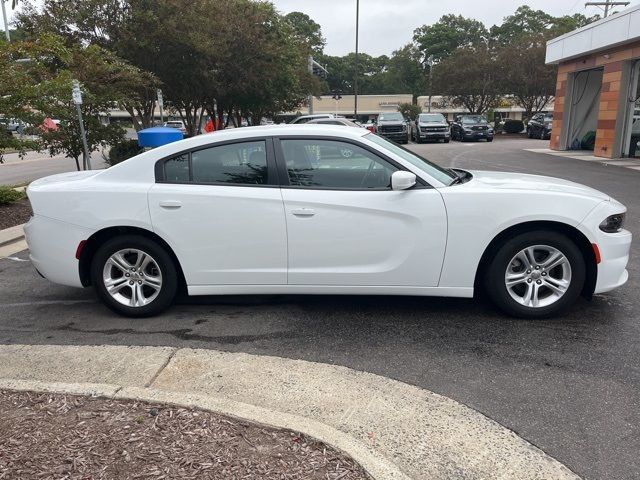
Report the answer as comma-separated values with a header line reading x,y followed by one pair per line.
x,y
520,181
391,122
433,124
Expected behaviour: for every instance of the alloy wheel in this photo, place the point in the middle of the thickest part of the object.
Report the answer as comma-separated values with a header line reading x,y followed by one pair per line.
x,y
538,276
132,277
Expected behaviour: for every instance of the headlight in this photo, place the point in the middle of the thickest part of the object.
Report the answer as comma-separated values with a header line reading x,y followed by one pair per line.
x,y
466,129
613,223
404,128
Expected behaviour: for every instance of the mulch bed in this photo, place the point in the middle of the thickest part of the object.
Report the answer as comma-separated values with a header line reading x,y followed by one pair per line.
x,y
50,436
15,213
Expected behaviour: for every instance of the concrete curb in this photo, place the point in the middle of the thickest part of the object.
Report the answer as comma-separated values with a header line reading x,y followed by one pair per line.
x,y
377,466
11,235
394,430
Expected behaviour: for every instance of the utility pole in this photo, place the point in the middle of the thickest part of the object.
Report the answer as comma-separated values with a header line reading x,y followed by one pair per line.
x,y
606,4
430,63
355,83
77,99
161,105
310,98
6,23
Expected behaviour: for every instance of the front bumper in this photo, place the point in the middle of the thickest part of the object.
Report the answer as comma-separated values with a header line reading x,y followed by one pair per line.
x,y
395,136
477,135
614,247
434,135
52,249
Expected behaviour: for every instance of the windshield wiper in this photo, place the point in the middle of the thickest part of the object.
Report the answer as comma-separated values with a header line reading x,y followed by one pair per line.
x,y
459,176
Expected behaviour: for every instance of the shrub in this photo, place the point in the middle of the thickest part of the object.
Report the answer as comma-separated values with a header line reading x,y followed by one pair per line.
x,y
8,195
513,126
122,151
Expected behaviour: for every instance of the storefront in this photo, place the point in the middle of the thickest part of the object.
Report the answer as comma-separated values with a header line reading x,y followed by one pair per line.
x,y
597,104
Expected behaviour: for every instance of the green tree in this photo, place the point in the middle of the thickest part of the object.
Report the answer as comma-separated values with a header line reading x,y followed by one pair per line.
x,y
405,73
448,34
468,78
307,31
409,110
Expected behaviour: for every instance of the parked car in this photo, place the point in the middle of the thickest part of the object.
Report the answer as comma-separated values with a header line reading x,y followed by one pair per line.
x,y
430,126
308,118
371,126
277,210
540,126
471,127
334,121
394,126
179,124
9,124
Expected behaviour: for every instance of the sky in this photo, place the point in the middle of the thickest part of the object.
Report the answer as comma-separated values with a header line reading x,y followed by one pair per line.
x,y
386,25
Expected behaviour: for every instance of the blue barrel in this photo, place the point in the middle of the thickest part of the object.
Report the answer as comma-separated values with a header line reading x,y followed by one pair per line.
x,y
158,136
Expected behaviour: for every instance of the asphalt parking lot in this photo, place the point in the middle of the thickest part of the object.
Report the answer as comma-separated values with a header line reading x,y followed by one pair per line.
x,y
571,385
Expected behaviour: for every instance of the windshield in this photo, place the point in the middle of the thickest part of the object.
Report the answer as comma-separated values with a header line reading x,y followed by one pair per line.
x,y
395,117
432,118
432,169
474,119
548,117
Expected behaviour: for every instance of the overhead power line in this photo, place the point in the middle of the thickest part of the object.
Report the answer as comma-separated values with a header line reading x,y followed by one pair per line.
x,y
606,4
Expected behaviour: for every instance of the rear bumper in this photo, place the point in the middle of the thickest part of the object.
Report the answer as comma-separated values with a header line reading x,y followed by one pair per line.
x,y
52,249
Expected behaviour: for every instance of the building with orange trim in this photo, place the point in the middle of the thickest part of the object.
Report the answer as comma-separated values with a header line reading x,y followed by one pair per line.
x,y
597,87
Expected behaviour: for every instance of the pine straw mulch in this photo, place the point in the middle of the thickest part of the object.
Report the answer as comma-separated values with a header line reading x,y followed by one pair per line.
x,y
15,213
50,436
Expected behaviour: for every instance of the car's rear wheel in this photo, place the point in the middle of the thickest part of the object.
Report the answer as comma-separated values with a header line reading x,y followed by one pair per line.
x,y
134,276
536,275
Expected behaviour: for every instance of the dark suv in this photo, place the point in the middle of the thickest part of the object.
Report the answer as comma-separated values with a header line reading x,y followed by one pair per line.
x,y
471,127
540,126
430,126
393,126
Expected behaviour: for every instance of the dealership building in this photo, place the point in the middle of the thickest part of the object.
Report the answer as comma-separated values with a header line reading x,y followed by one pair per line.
x,y
597,87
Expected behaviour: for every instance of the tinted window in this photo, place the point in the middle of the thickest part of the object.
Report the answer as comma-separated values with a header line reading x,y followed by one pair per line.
x,y
176,169
425,165
235,163
333,164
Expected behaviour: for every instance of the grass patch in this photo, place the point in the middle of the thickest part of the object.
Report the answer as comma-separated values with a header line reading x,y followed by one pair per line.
x,y
8,195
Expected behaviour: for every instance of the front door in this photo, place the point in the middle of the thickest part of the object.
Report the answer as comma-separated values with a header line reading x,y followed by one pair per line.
x,y
221,211
347,227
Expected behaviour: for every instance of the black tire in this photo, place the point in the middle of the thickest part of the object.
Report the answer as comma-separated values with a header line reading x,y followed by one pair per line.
x,y
490,139
446,140
529,133
494,281
169,286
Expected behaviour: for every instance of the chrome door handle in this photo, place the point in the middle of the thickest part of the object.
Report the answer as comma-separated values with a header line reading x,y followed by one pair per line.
x,y
303,212
170,204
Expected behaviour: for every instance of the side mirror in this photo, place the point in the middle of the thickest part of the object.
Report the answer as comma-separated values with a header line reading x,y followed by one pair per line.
x,y
402,180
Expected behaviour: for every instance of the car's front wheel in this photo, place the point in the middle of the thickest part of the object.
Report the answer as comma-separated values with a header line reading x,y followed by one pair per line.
x,y
536,274
134,276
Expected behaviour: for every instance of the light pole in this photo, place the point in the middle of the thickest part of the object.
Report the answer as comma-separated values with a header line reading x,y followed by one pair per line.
x,y
430,63
355,83
6,23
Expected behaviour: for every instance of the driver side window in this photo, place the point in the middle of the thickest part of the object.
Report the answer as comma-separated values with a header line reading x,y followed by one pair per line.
x,y
335,164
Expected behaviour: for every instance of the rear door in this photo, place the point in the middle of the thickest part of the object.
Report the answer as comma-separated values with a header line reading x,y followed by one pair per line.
x,y
347,227
221,210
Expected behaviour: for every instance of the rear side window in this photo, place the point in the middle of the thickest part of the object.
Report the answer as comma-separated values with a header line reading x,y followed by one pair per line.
x,y
176,169
238,163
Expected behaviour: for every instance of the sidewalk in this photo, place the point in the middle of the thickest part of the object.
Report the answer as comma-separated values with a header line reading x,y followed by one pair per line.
x,y
394,430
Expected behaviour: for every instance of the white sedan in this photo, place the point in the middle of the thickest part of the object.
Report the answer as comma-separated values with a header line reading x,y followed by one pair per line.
x,y
283,210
